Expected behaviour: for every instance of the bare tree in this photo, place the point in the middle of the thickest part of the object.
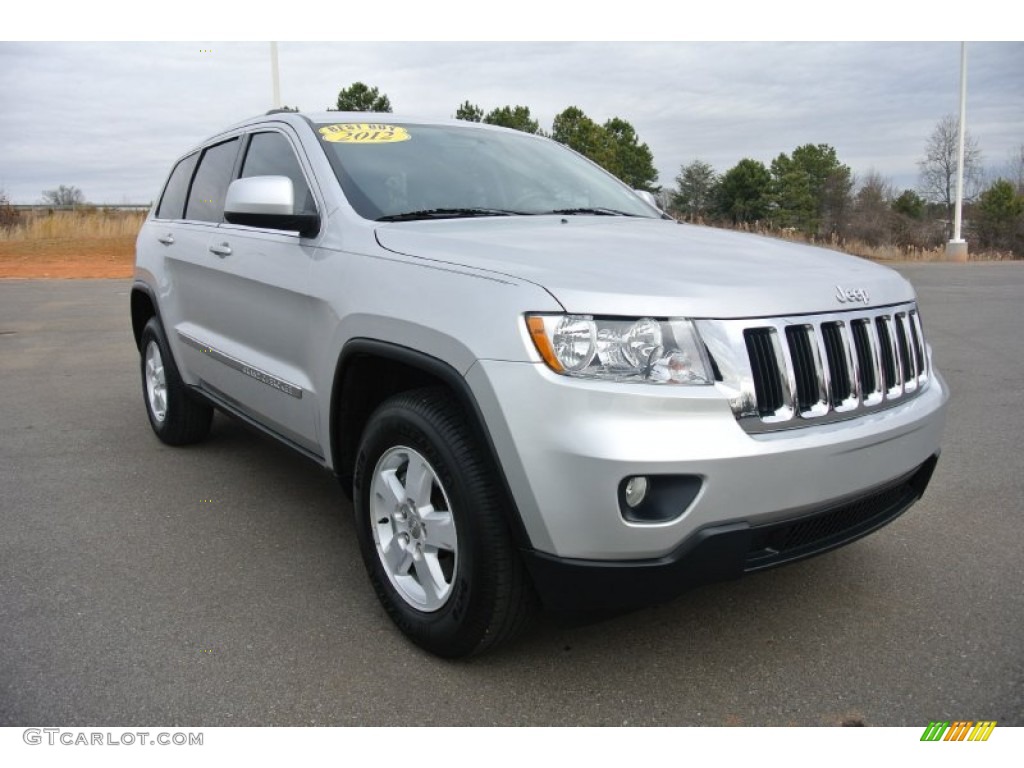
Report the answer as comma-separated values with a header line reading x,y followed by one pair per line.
x,y
872,217
874,187
8,213
63,196
938,169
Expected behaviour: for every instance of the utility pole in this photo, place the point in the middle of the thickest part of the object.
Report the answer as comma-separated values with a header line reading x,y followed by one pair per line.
x,y
956,249
275,78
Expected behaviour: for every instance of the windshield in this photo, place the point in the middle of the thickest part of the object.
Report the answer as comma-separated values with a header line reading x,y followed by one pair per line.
x,y
400,172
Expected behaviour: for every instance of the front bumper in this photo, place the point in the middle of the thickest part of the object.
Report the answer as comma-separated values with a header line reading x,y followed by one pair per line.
x,y
566,444
718,552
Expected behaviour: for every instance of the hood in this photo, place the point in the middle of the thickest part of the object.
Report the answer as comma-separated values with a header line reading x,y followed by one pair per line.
x,y
649,267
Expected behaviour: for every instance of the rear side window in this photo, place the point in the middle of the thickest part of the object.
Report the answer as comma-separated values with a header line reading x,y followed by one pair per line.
x,y
206,200
172,202
270,154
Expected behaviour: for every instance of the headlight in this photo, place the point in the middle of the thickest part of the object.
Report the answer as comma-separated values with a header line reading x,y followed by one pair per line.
x,y
648,350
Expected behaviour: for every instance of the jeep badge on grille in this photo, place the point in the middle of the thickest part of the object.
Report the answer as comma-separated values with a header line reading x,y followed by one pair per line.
x,y
845,295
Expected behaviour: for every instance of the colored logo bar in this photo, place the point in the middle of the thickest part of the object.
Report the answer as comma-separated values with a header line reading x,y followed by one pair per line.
x,y
960,730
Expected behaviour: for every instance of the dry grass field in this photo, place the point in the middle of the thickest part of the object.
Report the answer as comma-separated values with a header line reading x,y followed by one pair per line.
x,y
70,244
98,243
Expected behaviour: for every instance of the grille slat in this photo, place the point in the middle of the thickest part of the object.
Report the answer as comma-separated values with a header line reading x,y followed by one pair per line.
x,y
887,351
840,383
827,367
802,354
765,367
903,347
865,356
917,335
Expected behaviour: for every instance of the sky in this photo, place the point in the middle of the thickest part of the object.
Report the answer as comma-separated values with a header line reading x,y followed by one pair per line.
x,y
111,117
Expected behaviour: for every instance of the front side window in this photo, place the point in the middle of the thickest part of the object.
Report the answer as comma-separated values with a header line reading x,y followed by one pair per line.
x,y
206,200
270,154
407,171
172,202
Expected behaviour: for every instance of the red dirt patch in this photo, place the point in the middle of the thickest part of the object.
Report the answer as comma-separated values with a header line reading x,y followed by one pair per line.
x,y
100,257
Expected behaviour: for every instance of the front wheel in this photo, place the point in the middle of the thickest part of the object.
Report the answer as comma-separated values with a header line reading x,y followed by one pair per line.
x,y
431,528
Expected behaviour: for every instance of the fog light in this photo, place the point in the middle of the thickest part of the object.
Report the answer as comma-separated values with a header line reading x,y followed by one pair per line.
x,y
636,491
657,498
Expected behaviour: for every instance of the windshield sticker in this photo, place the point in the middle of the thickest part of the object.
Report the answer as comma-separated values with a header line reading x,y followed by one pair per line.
x,y
364,133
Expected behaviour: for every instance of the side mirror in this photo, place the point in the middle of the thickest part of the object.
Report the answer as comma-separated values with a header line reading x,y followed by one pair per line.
x,y
648,198
267,202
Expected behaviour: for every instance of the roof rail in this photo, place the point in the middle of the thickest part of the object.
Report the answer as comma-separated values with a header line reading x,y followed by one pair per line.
x,y
279,111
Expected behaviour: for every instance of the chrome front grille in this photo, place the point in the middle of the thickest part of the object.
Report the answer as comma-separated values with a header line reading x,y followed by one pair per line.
x,y
787,372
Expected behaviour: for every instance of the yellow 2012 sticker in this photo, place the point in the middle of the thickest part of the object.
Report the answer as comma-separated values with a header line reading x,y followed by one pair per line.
x,y
364,133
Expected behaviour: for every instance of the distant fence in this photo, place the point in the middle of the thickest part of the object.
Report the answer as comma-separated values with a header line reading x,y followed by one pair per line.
x,y
42,207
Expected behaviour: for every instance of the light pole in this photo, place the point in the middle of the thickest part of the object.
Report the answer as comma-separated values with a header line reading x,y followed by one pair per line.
x,y
956,249
275,78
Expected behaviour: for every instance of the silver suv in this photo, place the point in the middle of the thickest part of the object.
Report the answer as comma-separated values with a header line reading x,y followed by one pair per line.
x,y
534,385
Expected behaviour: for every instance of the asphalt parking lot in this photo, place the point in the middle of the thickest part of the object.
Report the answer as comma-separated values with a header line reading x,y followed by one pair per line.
x,y
222,585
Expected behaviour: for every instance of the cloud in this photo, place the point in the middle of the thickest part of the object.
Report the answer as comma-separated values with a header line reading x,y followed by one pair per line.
x,y
112,117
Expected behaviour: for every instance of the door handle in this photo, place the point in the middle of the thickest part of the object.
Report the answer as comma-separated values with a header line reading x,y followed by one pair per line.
x,y
221,250
166,239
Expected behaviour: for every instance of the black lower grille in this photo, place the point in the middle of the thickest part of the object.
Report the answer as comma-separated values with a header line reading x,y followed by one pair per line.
x,y
777,543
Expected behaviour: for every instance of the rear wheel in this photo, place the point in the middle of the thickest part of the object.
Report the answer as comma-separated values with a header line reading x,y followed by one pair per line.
x,y
432,530
176,417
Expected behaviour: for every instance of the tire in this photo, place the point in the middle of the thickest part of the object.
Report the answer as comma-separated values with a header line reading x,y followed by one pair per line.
x,y
431,528
176,416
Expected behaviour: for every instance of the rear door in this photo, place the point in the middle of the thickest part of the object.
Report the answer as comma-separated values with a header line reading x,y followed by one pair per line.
x,y
247,312
195,291
180,233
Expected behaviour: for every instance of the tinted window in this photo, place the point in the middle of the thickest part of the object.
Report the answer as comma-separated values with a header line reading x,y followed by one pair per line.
x,y
206,200
172,203
270,154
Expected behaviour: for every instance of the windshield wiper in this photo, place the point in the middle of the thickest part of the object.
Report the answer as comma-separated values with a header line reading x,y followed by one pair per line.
x,y
592,212
448,213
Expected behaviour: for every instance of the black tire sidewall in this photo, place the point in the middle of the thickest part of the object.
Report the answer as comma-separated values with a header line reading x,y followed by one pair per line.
x,y
179,425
